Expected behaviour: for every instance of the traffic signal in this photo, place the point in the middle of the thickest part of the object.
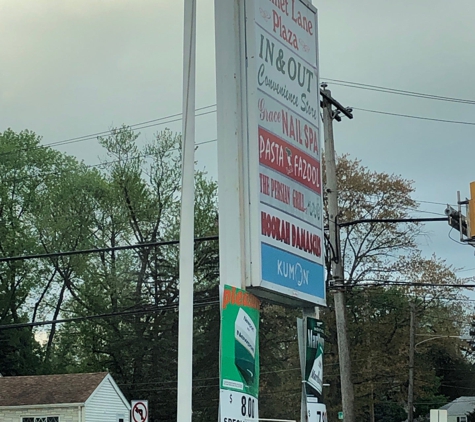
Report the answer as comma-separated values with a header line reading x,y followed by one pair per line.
x,y
457,220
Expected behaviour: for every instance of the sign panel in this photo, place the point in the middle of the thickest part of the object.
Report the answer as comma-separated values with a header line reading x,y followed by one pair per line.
x,y
239,366
139,410
284,146
438,415
314,355
316,412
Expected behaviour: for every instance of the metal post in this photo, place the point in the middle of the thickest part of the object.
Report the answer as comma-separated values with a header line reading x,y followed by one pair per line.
x,y
301,342
412,348
313,312
230,84
347,393
187,226
234,261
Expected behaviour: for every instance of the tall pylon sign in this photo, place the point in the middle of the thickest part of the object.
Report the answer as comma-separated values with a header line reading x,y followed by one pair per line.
x,y
462,218
269,150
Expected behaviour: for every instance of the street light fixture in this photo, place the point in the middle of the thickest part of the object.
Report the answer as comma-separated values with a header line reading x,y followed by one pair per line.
x,y
437,337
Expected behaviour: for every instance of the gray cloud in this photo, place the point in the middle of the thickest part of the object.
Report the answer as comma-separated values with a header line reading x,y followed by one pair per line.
x,y
73,68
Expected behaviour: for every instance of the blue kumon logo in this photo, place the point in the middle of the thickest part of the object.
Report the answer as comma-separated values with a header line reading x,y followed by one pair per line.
x,y
292,271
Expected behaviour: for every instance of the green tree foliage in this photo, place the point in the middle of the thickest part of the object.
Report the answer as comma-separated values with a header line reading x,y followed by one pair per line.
x,y
49,202
140,204
35,182
371,251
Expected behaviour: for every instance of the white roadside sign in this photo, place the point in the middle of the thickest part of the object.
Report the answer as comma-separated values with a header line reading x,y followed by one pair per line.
x,y
285,175
269,150
139,410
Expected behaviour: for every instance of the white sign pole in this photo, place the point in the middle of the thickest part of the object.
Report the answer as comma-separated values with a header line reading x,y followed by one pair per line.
x,y
185,310
230,84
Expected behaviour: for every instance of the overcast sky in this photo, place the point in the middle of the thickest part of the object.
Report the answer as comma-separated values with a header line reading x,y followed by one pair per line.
x,y
72,68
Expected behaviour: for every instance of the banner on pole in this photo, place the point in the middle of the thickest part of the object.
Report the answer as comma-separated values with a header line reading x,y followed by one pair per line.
x,y
239,364
315,332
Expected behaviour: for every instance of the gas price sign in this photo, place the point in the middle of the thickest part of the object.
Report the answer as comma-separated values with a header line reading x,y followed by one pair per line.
x,y
239,374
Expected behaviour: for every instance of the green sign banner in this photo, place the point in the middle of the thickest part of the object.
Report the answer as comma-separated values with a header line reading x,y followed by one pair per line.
x,y
315,332
239,364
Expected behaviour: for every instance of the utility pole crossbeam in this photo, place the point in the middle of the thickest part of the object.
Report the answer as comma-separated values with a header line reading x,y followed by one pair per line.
x,y
337,269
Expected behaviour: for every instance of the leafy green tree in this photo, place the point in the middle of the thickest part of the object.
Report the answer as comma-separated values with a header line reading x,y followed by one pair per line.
x,y
386,411
371,251
50,202
32,182
139,203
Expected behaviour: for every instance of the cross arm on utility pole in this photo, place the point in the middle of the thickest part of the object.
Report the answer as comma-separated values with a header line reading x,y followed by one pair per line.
x,y
326,95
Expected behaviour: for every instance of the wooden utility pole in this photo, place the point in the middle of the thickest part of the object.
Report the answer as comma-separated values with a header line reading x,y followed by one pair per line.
x,y
412,349
337,270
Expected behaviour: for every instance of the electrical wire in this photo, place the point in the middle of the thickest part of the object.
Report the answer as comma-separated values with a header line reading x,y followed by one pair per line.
x,y
108,249
136,126
381,282
159,308
90,166
410,116
387,90
454,240
95,135
166,119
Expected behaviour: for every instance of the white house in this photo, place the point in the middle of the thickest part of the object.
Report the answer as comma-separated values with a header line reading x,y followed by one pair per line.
x,y
62,398
458,409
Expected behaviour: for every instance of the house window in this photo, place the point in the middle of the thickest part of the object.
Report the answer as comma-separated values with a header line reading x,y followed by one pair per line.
x,y
43,419
461,419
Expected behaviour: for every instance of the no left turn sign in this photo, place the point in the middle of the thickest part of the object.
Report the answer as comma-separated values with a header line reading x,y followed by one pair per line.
x,y
139,410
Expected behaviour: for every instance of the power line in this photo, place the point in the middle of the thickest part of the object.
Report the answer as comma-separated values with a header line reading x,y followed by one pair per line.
x,y
157,122
98,165
432,202
391,220
387,90
409,116
163,120
381,282
106,315
399,292
454,240
98,250
136,126
134,157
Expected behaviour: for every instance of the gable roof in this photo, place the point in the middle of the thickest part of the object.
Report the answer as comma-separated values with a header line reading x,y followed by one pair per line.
x,y
461,406
109,381
48,389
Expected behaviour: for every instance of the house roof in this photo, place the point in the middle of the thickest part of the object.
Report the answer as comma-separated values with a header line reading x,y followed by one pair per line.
x,y
48,389
461,406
